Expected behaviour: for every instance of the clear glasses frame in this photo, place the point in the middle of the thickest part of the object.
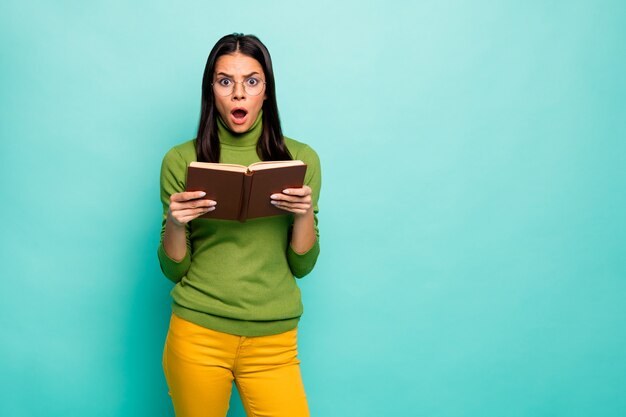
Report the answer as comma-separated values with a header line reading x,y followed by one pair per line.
x,y
226,91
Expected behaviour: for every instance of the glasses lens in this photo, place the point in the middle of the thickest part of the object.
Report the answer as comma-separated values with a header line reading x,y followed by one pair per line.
x,y
225,86
253,86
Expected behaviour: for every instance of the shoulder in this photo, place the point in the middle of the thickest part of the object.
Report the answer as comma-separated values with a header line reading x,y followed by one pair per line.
x,y
185,152
302,151
175,162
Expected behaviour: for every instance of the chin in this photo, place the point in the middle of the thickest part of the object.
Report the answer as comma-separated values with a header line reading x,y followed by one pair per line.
x,y
239,128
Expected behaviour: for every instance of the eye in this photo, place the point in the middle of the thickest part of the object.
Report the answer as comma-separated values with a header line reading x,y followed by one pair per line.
x,y
224,82
252,81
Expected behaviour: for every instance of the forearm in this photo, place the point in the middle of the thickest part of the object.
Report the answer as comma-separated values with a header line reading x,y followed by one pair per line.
x,y
174,240
303,235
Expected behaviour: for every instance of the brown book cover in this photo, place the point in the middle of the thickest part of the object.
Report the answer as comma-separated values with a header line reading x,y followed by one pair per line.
x,y
244,192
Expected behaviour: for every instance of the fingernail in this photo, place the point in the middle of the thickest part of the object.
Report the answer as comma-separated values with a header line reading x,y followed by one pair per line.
x,y
285,191
274,196
202,193
274,202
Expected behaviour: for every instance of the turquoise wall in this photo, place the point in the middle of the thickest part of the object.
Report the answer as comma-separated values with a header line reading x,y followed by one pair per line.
x,y
472,215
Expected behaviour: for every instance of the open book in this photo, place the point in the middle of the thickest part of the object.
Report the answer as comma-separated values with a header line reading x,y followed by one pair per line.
x,y
244,192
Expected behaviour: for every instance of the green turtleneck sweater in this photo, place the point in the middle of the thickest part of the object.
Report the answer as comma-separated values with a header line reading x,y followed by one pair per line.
x,y
238,278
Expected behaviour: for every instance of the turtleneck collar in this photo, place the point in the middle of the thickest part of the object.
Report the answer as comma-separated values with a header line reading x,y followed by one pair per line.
x,y
248,138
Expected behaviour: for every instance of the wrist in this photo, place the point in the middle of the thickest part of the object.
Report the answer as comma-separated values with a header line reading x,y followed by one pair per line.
x,y
303,217
173,222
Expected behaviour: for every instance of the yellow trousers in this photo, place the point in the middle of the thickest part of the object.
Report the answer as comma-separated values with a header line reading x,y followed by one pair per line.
x,y
200,365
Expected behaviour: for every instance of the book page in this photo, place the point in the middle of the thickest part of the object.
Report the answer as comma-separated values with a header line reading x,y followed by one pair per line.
x,y
220,167
258,166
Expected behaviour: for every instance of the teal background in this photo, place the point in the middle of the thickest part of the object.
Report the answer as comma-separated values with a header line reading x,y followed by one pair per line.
x,y
472,214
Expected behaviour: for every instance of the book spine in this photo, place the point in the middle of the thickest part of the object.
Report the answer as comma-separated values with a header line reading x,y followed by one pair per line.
x,y
245,196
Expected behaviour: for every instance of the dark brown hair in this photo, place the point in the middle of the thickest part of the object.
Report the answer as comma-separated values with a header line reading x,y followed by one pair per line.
x,y
271,145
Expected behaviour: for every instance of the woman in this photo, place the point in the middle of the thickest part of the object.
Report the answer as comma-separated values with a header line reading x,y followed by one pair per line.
x,y
236,304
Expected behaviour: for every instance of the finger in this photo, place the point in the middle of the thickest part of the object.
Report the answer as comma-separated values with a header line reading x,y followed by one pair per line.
x,y
289,198
305,190
186,196
293,210
295,206
195,216
291,204
191,212
196,203
192,204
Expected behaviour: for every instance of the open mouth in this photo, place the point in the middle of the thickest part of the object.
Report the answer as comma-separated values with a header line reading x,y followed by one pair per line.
x,y
239,115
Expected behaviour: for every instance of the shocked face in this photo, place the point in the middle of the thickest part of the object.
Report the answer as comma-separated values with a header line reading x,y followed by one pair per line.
x,y
239,90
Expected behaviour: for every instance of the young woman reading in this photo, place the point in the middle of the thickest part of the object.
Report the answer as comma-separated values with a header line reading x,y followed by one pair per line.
x,y
236,303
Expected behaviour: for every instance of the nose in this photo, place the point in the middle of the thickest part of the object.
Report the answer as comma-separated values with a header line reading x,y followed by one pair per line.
x,y
238,91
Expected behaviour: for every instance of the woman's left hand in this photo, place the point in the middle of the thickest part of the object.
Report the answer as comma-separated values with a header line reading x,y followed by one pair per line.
x,y
295,200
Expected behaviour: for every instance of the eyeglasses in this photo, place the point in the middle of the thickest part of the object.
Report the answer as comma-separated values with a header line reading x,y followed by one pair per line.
x,y
225,86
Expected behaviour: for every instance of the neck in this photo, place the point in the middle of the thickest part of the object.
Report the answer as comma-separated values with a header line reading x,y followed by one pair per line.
x,y
247,138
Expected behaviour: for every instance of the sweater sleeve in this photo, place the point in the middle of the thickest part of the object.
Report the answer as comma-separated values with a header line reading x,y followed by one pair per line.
x,y
302,263
172,181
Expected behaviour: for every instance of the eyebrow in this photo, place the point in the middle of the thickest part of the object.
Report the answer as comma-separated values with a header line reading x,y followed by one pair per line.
x,y
245,76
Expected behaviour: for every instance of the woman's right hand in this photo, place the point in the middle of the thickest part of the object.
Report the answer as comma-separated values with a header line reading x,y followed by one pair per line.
x,y
186,206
